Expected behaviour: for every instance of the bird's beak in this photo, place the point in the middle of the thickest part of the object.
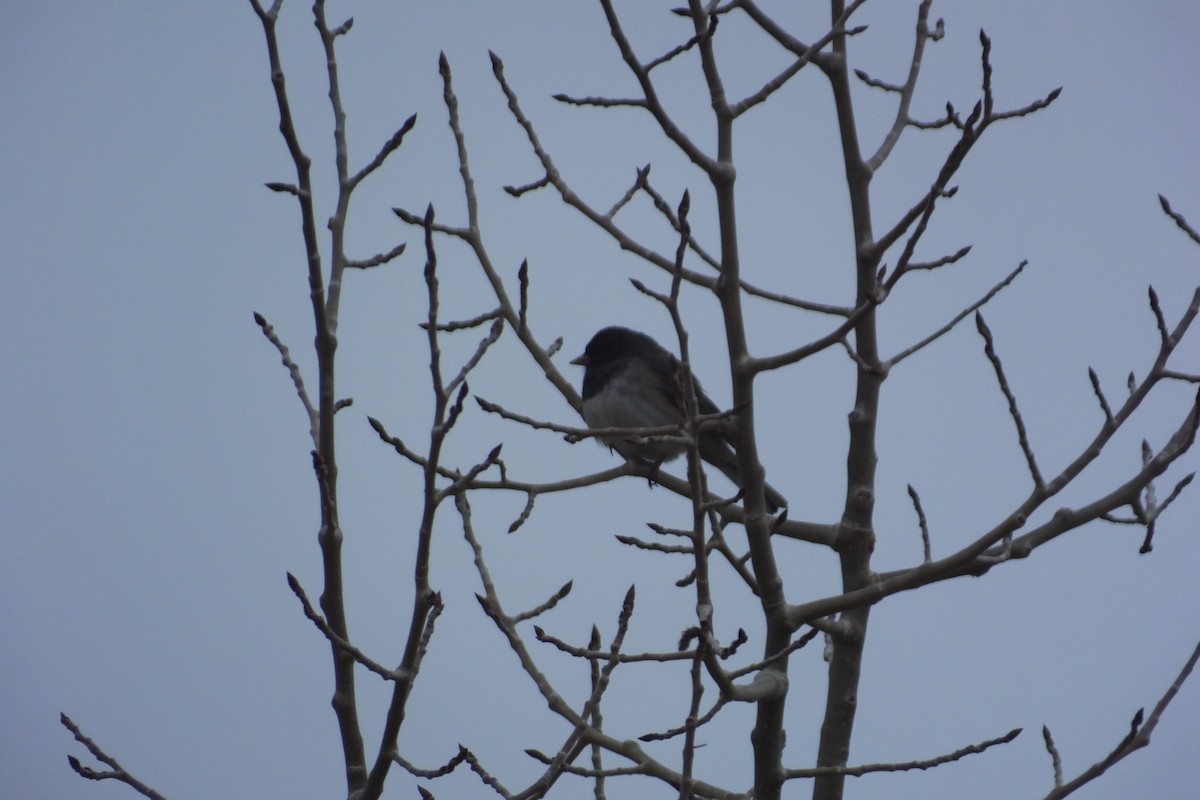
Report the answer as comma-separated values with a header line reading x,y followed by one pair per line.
x,y
580,360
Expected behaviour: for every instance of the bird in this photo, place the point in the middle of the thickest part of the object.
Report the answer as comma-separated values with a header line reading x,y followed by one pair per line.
x,y
631,381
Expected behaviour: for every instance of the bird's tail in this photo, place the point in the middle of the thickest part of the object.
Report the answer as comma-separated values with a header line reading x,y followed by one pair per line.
x,y
721,456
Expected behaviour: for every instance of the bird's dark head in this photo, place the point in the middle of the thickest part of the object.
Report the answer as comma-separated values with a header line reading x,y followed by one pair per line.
x,y
615,343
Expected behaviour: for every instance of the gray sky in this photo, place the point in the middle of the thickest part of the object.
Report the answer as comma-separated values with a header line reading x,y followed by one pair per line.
x,y
154,471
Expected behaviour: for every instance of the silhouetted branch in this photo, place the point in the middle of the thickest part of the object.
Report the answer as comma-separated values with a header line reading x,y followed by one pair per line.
x,y
1137,738
377,259
959,317
323,626
905,91
116,773
916,501
904,766
1159,319
1100,398
293,370
464,756
1179,220
389,147
542,608
803,58
324,298
592,654
1055,758
940,262
989,348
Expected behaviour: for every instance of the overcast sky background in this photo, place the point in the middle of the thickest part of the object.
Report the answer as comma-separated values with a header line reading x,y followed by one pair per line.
x,y
155,483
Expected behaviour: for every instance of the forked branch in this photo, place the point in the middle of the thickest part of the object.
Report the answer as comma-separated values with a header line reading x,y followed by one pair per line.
x,y
1138,737
115,772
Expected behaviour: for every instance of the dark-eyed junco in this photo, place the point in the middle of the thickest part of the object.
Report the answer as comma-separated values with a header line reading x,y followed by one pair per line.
x,y
631,381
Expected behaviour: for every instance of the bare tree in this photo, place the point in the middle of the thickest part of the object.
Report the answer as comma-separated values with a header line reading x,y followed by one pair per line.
x,y
884,253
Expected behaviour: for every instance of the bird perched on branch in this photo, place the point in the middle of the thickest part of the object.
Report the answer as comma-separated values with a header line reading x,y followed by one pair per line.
x,y
631,381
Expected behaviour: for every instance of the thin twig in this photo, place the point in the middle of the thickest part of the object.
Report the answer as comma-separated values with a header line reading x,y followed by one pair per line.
x,y
293,370
904,766
1159,319
1179,219
989,349
916,501
835,336
592,654
1095,379
959,317
117,773
901,120
803,58
600,102
338,641
542,608
946,260
377,259
640,72
464,756
389,147
1137,738
1055,757
465,324
796,644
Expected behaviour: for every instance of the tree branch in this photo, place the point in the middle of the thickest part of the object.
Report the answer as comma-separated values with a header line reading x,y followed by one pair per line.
x,y
1138,737
904,766
989,349
117,773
